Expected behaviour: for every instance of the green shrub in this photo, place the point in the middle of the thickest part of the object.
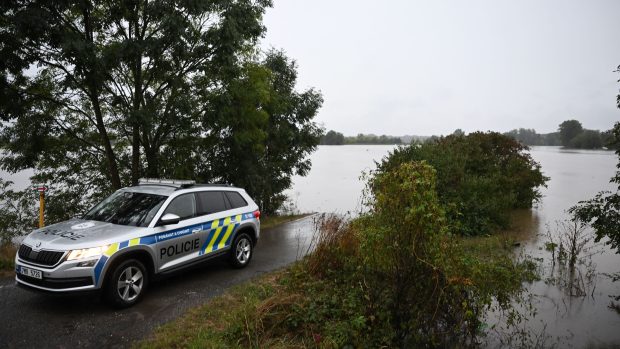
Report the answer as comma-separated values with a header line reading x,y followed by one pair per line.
x,y
397,277
405,239
481,177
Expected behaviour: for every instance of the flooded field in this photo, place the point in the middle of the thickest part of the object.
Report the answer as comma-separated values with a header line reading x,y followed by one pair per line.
x,y
334,185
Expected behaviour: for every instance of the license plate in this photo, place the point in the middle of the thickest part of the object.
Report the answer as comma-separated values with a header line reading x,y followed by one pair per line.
x,y
33,273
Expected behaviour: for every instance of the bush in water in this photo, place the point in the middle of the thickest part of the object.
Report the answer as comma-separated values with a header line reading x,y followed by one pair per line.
x,y
481,177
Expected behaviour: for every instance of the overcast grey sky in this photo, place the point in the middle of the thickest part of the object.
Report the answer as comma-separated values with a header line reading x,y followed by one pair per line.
x,y
428,67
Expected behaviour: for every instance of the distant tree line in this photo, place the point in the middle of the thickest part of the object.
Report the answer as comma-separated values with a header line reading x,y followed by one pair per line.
x,y
529,136
336,138
571,134
332,138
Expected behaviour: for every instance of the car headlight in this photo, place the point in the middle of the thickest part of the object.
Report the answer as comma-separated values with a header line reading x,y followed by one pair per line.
x,y
87,252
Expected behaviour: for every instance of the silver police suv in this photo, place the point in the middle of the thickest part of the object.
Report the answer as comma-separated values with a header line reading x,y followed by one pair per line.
x,y
137,233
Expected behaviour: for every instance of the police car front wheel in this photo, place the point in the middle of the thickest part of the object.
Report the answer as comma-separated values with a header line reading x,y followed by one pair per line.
x,y
127,283
241,251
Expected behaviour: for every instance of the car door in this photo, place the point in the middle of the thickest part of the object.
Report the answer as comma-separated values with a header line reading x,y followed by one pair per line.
x,y
180,243
213,206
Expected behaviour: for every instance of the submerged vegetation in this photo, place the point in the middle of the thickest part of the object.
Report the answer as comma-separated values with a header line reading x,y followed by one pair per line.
x,y
396,276
572,269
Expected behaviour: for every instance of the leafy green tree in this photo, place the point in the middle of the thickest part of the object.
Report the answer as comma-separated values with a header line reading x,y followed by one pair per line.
x,y
291,132
587,139
569,129
332,138
125,89
122,72
270,144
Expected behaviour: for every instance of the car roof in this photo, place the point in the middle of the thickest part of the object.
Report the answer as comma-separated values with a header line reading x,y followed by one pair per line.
x,y
167,190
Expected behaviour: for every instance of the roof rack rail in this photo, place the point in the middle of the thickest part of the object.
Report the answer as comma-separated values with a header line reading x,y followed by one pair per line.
x,y
185,186
175,183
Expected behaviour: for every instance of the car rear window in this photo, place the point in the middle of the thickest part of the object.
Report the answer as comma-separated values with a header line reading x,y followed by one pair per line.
x,y
235,199
211,202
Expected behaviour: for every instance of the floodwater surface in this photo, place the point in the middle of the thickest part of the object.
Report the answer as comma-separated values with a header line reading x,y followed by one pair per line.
x,y
334,184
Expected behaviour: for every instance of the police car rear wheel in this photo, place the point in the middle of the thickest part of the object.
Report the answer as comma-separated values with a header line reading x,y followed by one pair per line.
x,y
127,283
242,251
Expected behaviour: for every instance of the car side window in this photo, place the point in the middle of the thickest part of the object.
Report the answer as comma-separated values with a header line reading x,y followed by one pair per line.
x,y
211,202
235,199
183,206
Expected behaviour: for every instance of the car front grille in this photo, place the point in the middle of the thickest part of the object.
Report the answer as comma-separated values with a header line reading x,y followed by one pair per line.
x,y
57,284
43,257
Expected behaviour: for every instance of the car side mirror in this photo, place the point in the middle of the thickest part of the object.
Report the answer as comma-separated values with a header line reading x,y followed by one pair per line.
x,y
169,218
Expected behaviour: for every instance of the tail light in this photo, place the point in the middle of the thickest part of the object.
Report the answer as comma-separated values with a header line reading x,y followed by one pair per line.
x,y
256,214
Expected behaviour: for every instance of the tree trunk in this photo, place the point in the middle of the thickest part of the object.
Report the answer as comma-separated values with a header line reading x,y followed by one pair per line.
x,y
109,152
135,155
152,160
94,98
137,101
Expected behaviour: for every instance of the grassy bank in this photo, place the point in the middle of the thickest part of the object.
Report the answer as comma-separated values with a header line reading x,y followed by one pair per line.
x,y
227,320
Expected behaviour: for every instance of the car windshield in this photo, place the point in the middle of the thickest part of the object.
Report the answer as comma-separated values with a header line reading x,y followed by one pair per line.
x,y
127,208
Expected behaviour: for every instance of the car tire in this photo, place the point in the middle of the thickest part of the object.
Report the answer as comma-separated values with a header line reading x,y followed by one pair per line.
x,y
127,283
241,251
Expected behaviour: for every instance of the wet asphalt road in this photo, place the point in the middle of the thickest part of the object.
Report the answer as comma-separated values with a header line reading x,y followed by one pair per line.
x,y
29,320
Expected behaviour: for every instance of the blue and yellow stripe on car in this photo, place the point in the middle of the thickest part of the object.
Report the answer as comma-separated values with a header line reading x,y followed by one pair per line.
x,y
221,232
219,235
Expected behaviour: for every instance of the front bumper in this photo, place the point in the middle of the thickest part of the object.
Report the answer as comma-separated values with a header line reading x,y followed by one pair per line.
x,y
65,277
